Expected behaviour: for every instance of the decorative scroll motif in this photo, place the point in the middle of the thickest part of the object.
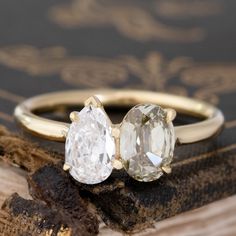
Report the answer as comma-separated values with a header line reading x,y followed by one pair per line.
x,y
154,72
12,97
133,21
182,9
211,80
6,117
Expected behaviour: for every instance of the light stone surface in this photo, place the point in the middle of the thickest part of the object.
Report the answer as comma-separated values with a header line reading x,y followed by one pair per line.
x,y
90,147
146,142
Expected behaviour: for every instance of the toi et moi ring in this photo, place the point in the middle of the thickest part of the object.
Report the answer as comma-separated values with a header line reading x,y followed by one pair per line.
x,y
143,143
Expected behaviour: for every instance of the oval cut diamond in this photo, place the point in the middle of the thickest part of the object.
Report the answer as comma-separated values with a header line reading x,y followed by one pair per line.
x,y
90,147
146,142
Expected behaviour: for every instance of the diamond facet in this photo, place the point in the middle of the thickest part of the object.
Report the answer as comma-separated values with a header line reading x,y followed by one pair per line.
x,y
90,147
146,142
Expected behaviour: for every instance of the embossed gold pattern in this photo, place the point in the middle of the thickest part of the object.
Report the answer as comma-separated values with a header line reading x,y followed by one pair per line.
x,y
133,21
211,80
153,72
4,94
230,124
183,9
6,117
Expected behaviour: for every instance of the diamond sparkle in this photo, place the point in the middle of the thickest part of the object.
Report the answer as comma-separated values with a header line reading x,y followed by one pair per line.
x,y
90,147
146,142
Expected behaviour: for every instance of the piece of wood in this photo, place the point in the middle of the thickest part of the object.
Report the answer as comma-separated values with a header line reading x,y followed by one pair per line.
x,y
12,179
215,219
19,216
16,150
53,186
52,212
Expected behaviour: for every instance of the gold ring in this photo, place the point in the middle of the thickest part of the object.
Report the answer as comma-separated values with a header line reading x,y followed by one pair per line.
x,y
143,143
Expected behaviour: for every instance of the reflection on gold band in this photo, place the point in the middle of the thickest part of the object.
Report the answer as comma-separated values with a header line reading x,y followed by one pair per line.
x,y
213,117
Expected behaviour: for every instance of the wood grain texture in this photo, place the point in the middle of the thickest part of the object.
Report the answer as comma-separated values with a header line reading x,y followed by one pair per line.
x,y
216,219
12,179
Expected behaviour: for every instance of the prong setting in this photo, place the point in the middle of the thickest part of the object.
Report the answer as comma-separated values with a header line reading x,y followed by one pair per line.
x,y
166,169
119,143
115,132
66,167
93,100
170,114
117,164
74,116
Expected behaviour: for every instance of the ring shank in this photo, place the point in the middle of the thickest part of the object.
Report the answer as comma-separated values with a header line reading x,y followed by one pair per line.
x,y
55,130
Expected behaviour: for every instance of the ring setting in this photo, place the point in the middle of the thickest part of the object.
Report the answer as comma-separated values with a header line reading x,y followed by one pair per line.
x,y
143,143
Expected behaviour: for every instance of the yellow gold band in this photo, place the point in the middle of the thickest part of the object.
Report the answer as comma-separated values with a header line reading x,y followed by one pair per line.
x,y
55,130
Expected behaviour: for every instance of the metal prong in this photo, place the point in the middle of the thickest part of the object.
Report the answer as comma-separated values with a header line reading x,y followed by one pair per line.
x,y
115,132
64,133
117,164
66,167
170,114
93,100
74,116
166,169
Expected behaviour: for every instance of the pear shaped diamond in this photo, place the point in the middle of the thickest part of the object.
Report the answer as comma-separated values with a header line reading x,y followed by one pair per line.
x,y
146,142
90,147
